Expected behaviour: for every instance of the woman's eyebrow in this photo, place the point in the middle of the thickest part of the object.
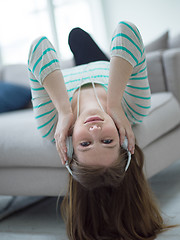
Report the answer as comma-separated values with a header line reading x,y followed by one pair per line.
x,y
87,149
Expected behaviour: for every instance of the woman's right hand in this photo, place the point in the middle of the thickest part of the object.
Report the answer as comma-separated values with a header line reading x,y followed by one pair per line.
x,y
123,125
65,121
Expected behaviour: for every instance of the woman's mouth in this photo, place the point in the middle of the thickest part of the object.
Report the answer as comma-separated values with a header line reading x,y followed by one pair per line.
x,y
93,119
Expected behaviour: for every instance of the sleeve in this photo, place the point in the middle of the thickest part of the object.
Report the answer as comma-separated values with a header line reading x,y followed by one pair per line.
x,y
127,43
42,59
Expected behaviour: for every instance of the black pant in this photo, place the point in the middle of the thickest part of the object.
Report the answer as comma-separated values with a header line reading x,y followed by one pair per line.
x,y
84,48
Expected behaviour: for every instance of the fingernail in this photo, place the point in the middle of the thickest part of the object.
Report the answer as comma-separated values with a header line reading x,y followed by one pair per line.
x,y
133,151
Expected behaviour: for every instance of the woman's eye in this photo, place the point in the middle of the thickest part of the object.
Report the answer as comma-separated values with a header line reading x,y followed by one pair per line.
x,y
107,141
85,144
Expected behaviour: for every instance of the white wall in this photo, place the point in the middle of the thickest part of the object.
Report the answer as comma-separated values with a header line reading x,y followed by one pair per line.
x,y
99,24
153,17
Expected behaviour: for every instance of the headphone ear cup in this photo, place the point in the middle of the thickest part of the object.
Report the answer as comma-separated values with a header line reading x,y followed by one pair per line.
x,y
69,145
125,146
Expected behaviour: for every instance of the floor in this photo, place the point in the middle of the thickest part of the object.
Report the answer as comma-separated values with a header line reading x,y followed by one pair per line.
x,y
41,222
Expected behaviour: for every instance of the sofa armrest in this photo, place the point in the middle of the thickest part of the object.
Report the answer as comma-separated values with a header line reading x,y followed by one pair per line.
x,y
155,72
171,61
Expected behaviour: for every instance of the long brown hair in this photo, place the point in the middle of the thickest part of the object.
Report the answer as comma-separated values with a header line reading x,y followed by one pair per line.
x,y
107,203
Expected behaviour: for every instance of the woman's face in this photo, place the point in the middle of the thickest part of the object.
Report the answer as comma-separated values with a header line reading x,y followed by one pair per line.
x,y
96,139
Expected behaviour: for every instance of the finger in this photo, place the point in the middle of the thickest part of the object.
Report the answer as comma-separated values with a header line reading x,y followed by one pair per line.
x,y
132,150
63,147
122,133
131,141
63,156
60,153
62,141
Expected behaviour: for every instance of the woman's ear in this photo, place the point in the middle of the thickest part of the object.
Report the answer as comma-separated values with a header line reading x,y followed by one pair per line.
x,y
69,145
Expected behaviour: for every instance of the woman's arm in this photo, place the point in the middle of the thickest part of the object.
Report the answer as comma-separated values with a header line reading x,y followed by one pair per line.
x,y
120,72
129,96
56,89
48,88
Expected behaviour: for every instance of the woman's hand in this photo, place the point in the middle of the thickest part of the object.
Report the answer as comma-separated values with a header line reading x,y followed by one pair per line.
x,y
65,121
124,127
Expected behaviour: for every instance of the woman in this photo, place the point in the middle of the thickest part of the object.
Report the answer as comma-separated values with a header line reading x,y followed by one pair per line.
x,y
96,104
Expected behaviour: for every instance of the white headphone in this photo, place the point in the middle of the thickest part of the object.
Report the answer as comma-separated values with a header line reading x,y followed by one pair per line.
x,y
69,145
125,146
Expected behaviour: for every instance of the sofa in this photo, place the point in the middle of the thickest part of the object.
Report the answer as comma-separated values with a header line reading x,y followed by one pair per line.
x,y
30,165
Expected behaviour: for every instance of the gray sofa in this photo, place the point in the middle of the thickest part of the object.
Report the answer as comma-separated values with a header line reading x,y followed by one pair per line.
x,y
31,166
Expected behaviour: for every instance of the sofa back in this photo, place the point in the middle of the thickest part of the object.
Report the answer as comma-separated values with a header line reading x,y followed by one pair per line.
x,y
156,75
163,61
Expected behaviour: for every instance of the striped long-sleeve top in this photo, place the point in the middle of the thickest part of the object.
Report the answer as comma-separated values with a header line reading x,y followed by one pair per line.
x,y
126,43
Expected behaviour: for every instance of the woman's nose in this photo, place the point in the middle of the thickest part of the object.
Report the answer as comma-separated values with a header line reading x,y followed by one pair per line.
x,y
94,128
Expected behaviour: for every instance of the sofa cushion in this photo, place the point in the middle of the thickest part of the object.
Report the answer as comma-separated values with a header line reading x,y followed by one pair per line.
x,y
22,145
159,43
174,42
163,117
171,60
155,72
13,97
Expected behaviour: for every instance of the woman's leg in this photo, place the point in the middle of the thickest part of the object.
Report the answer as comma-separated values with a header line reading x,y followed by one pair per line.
x,y
84,48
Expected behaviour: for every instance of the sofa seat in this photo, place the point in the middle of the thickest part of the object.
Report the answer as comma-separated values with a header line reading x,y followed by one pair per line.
x,y
164,116
22,141
26,148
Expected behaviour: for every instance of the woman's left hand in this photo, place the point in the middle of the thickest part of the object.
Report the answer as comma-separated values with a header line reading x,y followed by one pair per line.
x,y
123,125
65,121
